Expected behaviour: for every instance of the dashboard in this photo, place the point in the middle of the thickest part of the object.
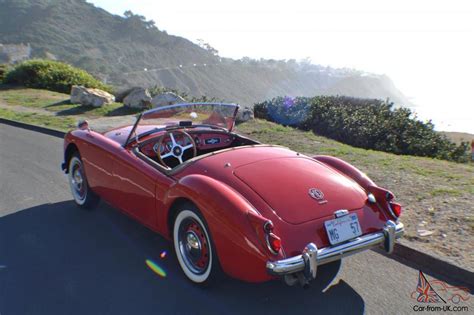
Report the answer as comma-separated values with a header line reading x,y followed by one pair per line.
x,y
205,141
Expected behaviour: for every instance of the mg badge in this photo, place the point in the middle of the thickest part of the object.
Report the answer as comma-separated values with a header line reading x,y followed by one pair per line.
x,y
317,194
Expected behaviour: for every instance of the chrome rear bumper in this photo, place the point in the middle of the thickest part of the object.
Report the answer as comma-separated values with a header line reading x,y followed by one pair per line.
x,y
312,257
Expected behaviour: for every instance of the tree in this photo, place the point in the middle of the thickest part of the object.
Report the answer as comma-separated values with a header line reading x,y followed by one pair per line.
x,y
136,21
207,47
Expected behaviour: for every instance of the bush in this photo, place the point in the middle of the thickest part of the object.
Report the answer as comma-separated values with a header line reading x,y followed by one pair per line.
x,y
157,90
365,123
3,71
52,75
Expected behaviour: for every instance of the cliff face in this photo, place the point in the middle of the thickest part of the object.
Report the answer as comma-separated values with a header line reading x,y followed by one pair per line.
x,y
12,53
131,51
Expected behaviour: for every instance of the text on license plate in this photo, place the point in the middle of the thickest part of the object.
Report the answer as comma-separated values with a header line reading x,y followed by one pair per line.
x,y
343,228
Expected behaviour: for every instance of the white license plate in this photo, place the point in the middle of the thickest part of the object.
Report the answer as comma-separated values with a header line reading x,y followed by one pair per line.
x,y
343,228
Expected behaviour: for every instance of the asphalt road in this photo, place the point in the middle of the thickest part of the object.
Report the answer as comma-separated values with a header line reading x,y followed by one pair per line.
x,y
58,259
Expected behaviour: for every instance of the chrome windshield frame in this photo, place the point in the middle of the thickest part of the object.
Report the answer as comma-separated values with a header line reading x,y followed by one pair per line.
x,y
157,109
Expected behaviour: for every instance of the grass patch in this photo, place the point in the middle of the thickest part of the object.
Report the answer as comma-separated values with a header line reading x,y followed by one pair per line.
x,y
445,191
59,104
109,110
31,97
470,222
59,123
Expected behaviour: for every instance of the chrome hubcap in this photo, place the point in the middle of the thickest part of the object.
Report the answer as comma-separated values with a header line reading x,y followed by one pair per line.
x,y
193,241
193,246
77,181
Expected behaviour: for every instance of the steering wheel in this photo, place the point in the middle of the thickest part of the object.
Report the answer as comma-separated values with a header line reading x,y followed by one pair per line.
x,y
176,149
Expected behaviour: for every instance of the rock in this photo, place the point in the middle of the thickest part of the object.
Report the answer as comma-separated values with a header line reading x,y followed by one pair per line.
x,y
244,114
122,93
138,98
90,97
167,98
424,233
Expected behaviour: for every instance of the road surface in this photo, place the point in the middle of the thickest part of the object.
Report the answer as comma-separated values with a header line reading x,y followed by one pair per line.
x,y
58,259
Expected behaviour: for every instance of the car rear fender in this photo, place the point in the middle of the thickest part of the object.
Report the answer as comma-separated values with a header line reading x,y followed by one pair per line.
x,y
347,169
382,196
226,213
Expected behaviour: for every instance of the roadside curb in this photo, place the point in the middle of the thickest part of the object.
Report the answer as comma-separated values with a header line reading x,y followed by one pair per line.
x,y
437,265
48,131
417,259
431,264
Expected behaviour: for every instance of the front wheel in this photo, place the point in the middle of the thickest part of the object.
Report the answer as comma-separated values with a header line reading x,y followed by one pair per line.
x,y
193,246
84,197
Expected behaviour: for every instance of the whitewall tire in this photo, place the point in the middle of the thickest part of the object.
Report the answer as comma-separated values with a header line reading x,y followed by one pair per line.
x,y
193,246
83,196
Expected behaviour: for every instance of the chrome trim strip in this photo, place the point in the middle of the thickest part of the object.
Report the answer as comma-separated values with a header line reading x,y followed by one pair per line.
x,y
310,256
267,240
389,209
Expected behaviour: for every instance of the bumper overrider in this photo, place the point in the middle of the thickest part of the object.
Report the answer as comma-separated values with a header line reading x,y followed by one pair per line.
x,y
307,263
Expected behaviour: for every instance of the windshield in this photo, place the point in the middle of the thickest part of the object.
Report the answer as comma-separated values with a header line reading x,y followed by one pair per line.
x,y
214,115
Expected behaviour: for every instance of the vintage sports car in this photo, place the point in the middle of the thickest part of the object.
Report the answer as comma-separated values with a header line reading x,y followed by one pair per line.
x,y
229,203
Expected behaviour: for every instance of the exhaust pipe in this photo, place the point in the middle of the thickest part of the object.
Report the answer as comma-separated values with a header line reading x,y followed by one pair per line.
x,y
295,278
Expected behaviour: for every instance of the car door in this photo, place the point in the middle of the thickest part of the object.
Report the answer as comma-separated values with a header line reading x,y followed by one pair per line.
x,y
136,183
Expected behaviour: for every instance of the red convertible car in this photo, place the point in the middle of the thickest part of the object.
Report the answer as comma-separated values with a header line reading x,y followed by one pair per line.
x,y
229,203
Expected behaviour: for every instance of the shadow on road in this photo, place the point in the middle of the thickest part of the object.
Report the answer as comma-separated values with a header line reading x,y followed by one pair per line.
x,y
58,259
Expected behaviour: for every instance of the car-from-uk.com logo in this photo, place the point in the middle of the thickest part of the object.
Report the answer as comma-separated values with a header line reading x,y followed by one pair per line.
x,y
438,296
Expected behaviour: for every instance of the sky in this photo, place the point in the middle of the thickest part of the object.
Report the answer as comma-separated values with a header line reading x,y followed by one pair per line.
x,y
425,46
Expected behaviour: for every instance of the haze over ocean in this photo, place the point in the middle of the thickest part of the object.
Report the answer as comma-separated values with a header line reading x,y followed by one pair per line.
x,y
424,46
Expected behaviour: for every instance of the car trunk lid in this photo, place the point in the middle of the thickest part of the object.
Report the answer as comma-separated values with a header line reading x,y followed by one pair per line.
x,y
291,186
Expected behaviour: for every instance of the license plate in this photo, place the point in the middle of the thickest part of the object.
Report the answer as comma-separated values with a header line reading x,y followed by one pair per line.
x,y
343,228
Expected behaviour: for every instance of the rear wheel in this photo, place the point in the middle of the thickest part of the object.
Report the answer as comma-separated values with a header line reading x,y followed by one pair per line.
x,y
193,246
84,197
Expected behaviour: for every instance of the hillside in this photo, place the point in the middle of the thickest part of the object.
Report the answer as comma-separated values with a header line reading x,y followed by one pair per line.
x,y
118,49
458,137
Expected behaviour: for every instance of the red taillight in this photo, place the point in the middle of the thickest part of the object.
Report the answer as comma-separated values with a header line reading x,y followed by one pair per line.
x,y
396,209
274,243
264,229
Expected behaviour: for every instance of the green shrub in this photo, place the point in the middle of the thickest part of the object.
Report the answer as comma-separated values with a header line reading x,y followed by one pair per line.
x,y
3,71
157,90
366,123
52,75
